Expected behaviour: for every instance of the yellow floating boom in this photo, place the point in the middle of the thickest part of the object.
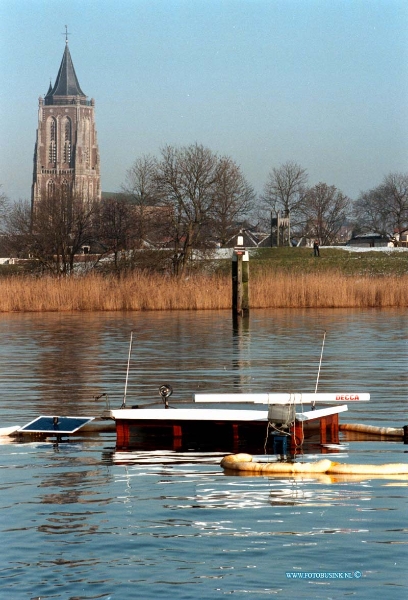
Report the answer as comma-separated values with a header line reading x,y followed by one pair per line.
x,y
391,431
245,462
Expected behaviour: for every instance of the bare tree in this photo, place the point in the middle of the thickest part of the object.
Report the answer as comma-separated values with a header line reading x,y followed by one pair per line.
x,y
234,199
60,224
384,209
17,229
116,226
395,190
285,188
187,180
3,197
324,209
141,188
4,202
371,214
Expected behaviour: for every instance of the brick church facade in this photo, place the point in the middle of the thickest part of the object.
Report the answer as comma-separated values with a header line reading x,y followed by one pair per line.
x,y
66,154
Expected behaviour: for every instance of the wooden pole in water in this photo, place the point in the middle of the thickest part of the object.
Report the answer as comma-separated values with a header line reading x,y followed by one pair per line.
x,y
245,283
240,279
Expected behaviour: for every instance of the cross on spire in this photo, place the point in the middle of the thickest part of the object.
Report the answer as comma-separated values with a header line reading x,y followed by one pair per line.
x,y
66,34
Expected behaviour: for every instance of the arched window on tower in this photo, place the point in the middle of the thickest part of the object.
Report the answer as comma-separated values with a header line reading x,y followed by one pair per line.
x,y
65,188
67,133
50,188
52,141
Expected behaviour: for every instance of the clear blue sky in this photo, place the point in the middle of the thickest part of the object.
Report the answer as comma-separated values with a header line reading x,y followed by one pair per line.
x,y
320,82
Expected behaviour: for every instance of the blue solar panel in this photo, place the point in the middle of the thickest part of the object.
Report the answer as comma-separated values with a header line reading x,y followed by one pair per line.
x,y
57,425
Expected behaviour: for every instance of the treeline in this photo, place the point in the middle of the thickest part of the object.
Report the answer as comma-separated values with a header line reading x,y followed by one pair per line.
x,y
185,200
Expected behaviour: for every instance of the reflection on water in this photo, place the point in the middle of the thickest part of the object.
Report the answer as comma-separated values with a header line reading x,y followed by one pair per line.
x,y
249,490
94,517
61,362
162,457
80,520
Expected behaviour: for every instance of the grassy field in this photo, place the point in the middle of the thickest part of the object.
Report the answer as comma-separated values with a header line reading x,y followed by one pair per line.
x,y
301,260
279,278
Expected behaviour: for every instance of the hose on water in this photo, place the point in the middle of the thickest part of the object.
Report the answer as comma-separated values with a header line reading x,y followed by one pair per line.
x,y
245,462
391,431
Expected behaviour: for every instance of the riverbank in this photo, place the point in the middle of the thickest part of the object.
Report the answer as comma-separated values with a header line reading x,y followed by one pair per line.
x,y
139,291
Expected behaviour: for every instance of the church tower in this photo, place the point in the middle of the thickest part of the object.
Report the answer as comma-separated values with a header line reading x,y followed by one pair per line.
x,y
66,152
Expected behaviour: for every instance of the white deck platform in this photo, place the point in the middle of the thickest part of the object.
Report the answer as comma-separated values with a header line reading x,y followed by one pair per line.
x,y
321,412
213,414
282,398
188,414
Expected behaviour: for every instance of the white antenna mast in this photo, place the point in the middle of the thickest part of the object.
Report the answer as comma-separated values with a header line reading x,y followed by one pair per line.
x,y
320,364
127,371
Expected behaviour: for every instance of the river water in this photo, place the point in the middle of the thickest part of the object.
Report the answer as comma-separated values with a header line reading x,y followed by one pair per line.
x,y
82,521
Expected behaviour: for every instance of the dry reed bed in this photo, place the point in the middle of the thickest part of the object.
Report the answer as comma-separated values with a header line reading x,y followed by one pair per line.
x,y
156,292
329,290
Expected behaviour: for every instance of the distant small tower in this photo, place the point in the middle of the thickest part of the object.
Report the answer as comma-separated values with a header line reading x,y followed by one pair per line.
x,y
66,151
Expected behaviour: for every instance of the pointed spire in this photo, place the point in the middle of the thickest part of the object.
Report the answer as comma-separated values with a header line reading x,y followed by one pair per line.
x,y
66,83
49,89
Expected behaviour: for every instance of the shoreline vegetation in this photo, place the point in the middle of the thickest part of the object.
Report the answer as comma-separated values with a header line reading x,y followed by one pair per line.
x,y
139,292
279,278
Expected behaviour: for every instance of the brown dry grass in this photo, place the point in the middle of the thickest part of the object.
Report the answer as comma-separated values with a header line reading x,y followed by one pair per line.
x,y
329,290
99,293
200,292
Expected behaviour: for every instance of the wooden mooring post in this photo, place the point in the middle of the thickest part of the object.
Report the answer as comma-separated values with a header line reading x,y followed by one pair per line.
x,y
240,279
